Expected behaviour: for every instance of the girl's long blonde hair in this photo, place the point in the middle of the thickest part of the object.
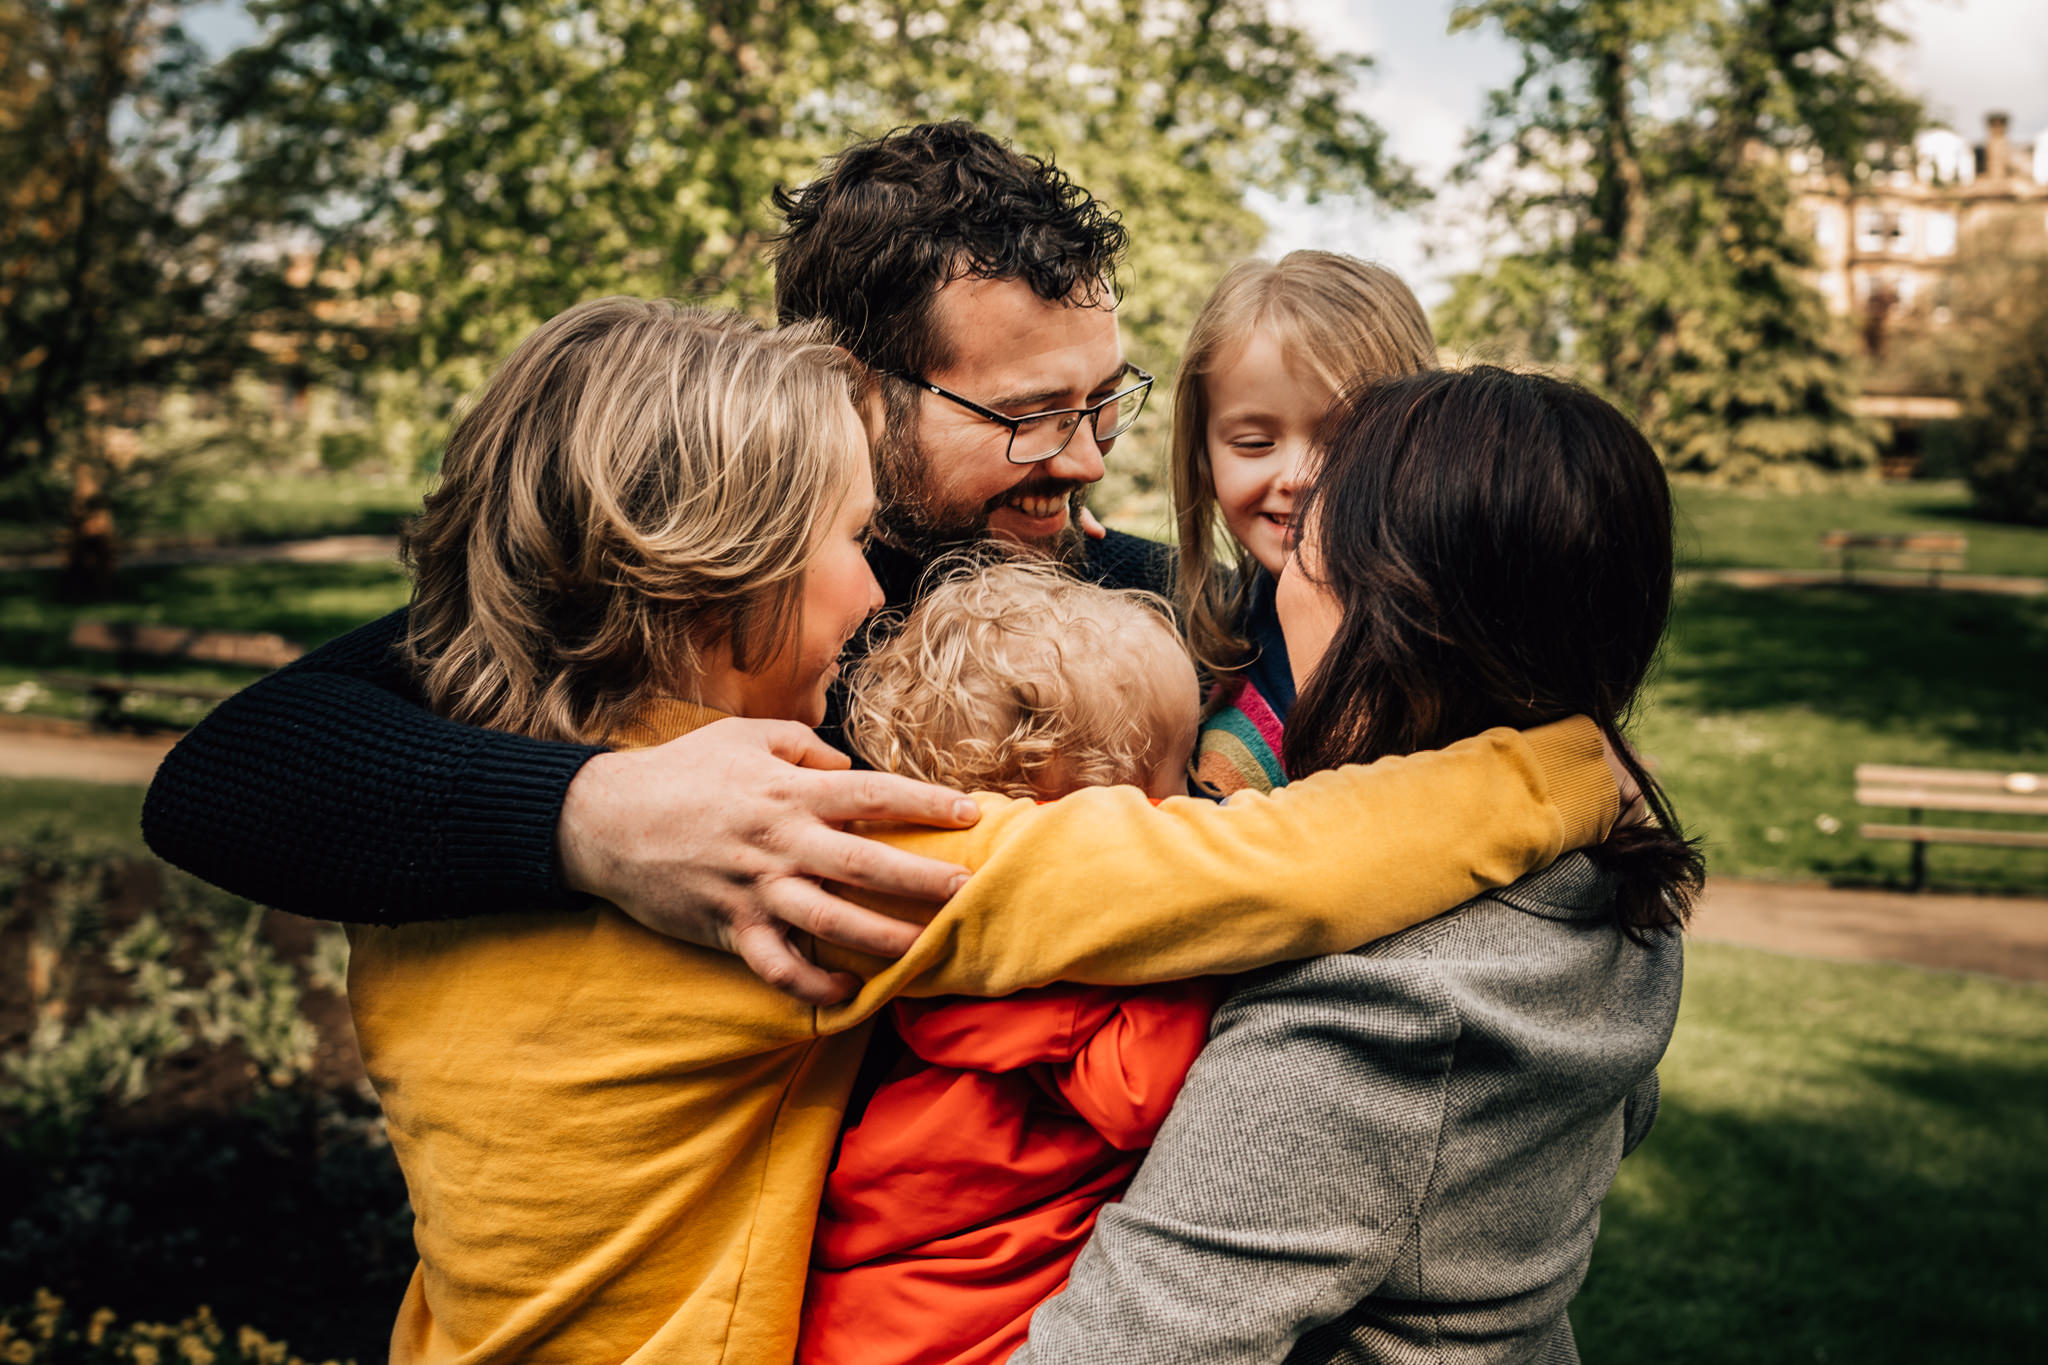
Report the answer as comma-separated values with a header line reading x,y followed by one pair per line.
x,y
638,483
1343,320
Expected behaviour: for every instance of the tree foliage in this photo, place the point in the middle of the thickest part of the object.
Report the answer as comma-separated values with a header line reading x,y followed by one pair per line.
x,y
1648,242
133,257
492,161
2001,304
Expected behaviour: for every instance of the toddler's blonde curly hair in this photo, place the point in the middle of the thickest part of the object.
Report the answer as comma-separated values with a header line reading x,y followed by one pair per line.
x,y
1011,676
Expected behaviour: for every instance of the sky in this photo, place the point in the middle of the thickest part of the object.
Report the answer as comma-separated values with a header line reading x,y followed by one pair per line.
x,y
1965,58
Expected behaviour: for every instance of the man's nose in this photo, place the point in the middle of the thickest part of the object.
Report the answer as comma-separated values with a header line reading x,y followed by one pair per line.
x,y
1081,461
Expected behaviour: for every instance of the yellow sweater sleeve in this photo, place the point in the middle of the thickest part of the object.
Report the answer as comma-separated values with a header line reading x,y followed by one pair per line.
x,y
1102,886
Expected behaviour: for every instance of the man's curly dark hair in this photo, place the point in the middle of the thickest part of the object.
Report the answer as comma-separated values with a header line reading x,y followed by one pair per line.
x,y
867,244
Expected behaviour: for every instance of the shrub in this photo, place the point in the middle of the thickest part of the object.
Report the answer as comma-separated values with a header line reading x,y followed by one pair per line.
x,y
44,1332
192,973
173,1127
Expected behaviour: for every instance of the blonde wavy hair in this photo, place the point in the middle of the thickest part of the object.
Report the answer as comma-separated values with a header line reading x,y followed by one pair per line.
x,y
1344,320
638,483
1011,676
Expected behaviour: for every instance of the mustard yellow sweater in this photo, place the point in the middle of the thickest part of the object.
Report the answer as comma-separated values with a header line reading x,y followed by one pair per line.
x,y
615,1142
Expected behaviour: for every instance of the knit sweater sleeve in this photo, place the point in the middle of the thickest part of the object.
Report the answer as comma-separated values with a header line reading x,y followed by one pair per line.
x,y
329,790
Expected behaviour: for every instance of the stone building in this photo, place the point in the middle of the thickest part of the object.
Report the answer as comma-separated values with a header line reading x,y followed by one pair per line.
x,y
1905,253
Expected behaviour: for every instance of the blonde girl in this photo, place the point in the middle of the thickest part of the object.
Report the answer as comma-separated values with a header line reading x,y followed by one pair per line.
x,y
1275,344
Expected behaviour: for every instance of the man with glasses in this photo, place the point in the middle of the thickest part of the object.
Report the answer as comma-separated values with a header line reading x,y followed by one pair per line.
x,y
977,287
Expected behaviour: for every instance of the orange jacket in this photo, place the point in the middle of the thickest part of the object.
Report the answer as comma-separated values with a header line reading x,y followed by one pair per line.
x,y
967,1187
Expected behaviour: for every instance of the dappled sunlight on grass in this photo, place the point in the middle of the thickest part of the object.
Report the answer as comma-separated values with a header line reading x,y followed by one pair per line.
x,y
1849,1166
1767,699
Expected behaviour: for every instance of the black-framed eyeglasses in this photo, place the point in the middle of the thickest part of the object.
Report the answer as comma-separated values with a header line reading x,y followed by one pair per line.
x,y
1038,436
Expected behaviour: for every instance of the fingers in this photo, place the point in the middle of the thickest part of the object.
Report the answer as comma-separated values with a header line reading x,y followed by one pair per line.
x,y
767,953
886,796
826,854
1090,527
792,743
808,906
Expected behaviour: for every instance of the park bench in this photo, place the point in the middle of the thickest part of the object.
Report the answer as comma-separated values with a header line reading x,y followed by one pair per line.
x,y
1933,551
1951,789
132,645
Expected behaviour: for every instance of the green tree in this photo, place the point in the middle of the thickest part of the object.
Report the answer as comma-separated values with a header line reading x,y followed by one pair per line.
x,y
1651,248
494,161
486,164
2007,426
132,258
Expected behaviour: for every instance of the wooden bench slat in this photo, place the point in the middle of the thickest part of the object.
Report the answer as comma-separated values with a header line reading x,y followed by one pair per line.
x,y
1930,798
248,648
1929,542
1969,779
1935,834
1930,552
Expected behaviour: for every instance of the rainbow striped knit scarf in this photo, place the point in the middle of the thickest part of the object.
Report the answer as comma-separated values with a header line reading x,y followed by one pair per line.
x,y
1239,747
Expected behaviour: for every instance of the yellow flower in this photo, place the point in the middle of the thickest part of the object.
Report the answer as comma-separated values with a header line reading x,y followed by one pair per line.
x,y
19,1352
96,1328
145,1353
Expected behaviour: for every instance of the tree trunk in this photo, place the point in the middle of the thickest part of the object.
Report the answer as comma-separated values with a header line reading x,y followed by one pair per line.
x,y
89,545
1621,177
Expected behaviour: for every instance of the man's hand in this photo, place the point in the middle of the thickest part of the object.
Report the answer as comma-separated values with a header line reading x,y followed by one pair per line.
x,y
721,838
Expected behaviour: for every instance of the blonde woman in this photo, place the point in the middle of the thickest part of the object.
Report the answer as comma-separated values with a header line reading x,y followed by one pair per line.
x,y
615,1142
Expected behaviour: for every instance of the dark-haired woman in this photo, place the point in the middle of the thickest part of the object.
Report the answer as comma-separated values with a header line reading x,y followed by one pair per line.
x,y
1399,1153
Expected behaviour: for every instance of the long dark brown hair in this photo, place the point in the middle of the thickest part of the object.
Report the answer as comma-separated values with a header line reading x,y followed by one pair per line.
x,y
1500,547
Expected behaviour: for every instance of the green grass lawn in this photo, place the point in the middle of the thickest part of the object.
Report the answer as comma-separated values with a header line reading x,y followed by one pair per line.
x,y
1851,1165
104,815
292,506
1724,529
1767,700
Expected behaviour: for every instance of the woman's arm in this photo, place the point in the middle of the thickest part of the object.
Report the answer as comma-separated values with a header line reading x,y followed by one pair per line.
x,y
1102,886
1284,1184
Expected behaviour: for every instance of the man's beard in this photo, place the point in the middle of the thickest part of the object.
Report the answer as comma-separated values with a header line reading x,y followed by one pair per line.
x,y
908,518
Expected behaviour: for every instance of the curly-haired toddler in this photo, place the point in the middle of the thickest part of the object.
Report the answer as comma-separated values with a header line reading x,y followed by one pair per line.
x,y
966,1186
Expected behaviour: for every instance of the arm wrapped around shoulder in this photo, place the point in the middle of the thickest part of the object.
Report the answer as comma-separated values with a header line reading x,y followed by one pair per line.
x,y
1104,887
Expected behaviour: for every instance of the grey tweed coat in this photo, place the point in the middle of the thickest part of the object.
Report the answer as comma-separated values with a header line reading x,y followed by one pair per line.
x,y
1392,1155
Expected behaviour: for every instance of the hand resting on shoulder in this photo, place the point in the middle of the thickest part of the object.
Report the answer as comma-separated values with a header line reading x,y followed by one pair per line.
x,y
722,837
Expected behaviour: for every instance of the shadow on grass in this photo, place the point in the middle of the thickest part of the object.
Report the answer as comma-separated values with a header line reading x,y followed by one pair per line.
x,y
1785,1237
1968,668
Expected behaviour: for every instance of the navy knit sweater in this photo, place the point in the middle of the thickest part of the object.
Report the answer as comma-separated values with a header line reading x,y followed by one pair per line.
x,y
328,789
